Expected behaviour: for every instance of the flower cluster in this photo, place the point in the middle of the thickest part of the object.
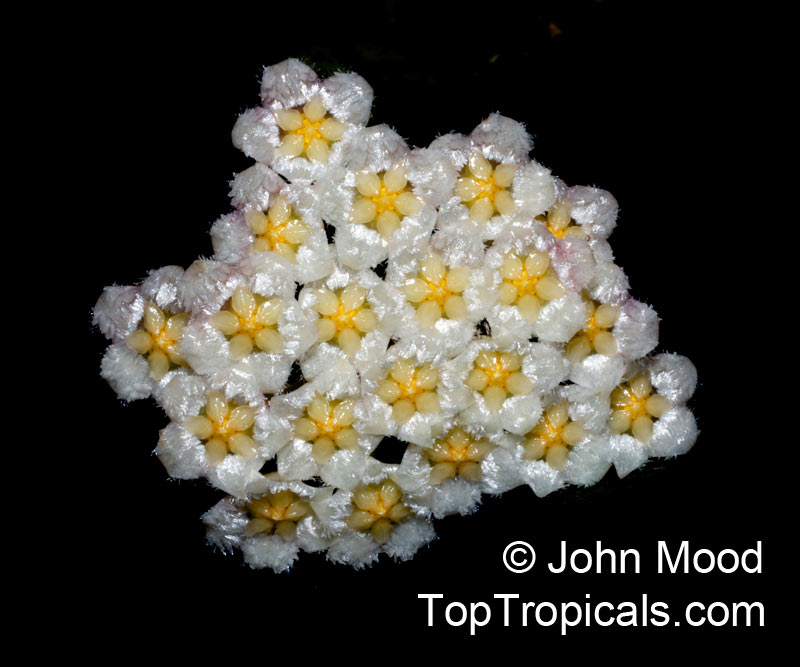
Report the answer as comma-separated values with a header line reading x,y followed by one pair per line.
x,y
458,298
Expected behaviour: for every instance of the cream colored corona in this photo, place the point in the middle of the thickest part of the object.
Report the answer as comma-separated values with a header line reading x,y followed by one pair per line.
x,y
308,131
634,407
378,509
483,187
224,428
437,291
553,437
344,317
250,320
528,283
278,230
329,426
496,375
560,223
410,389
159,339
383,200
457,455
276,513
595,335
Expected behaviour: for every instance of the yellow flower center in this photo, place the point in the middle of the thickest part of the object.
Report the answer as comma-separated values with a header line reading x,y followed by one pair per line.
x,y
276,512
250,320
344,316
409,389
634,407
384,200
437,291
497,371
159,339
328,425
496,374
525,283
483,187
309,130
595,335
378,509
224,428
457,454
553,437
278,231
625,400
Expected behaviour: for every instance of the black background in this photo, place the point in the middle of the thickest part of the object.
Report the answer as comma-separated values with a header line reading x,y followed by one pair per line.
x,y
654,103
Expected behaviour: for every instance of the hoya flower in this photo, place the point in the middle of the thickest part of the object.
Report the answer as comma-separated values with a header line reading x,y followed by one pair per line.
x,y
159,339
630,329
447,478
145,325
276,513
314,433
506,381
222,440
563,447
649,415
286,235
497,182
224,429
578,225
303,121
457,454
412,397
328,426
246,345
456,495
378,520
568,444
270,529
441,302
378,509
410,389
377,200
355,317
529,297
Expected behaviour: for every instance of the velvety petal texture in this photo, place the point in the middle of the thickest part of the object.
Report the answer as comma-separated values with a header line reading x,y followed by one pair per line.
x,y
458,299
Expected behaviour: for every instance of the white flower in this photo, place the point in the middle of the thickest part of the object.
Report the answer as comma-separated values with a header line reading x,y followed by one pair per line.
x,y
355,316
411,397
441,302
285,236
248,345
529,297
270,529
303,122
377,199
565,446
497,182
219,439
506,381
649,415
379,520
145,324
